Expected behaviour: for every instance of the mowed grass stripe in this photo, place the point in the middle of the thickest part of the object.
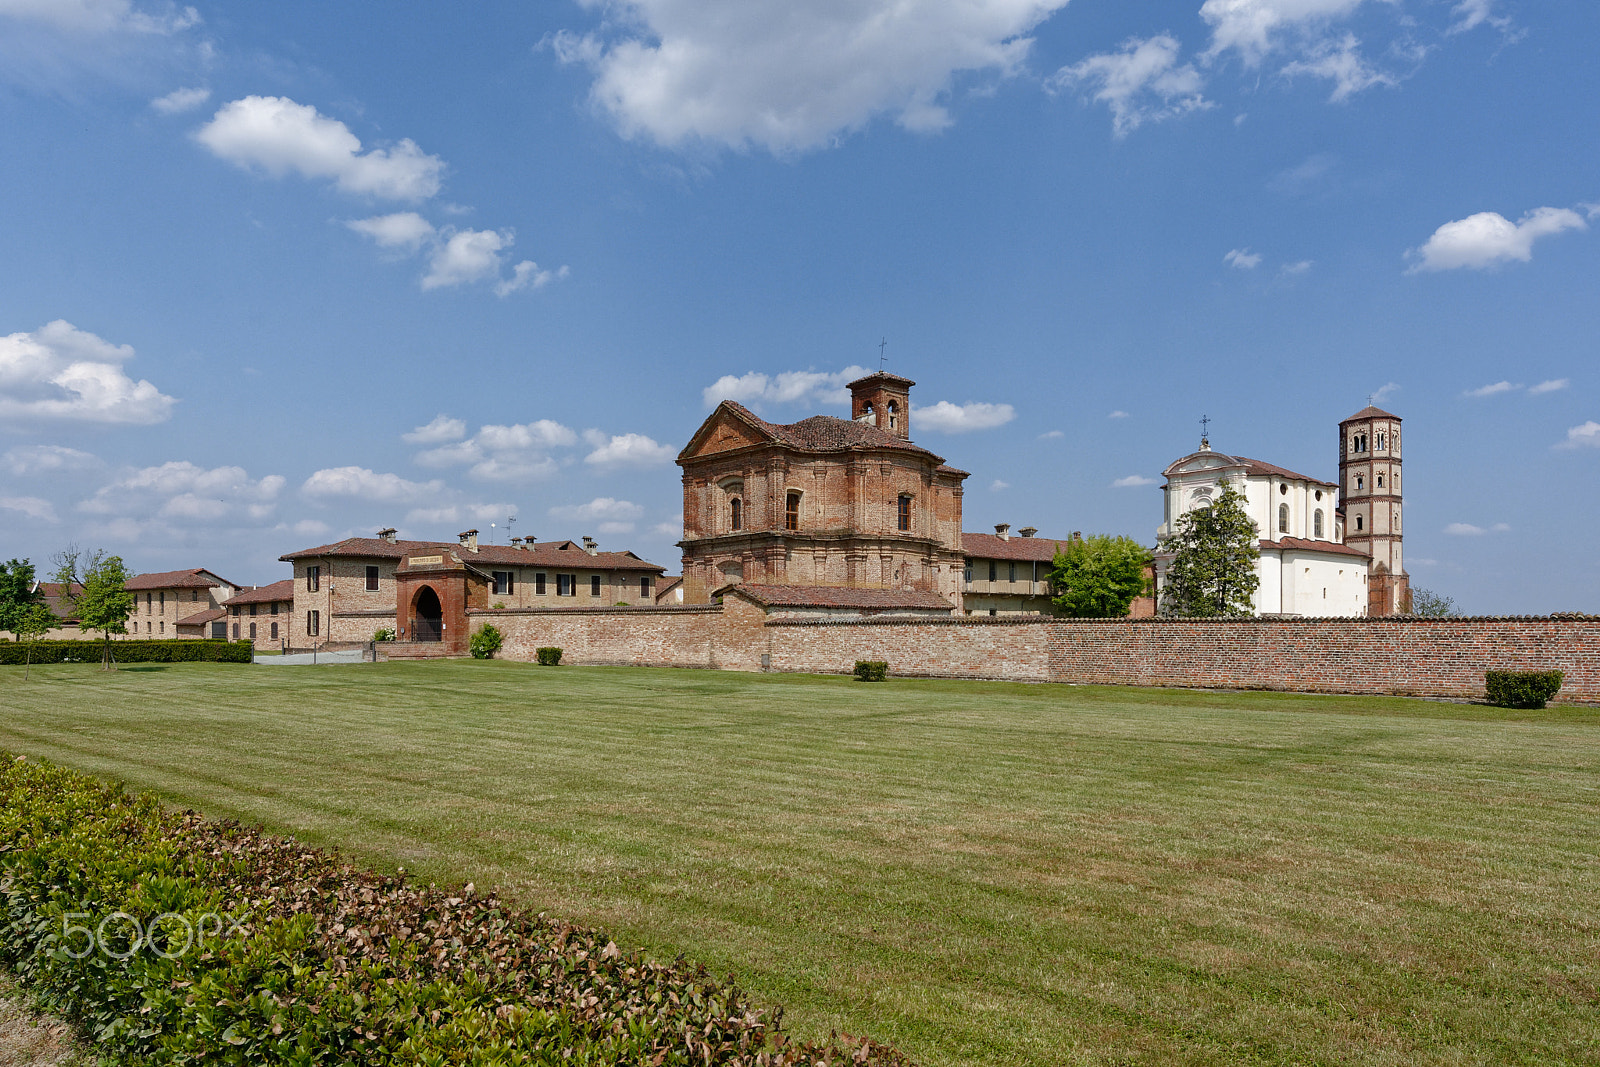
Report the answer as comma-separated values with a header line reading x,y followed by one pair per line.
x,y
979,872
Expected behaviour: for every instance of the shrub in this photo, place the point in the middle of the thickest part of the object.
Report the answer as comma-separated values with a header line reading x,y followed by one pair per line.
x,y
871,670
548,657
385,634
178,650
1521,689
486,642
302,959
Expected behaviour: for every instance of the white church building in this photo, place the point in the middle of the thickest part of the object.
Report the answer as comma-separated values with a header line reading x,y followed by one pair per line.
x,y
1305,567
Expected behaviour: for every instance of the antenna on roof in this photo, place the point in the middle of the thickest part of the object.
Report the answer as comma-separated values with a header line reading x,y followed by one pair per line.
x,y
881,357
510,521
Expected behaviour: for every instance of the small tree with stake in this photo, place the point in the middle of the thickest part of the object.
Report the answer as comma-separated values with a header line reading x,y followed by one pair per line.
x,y
103,603
1213,572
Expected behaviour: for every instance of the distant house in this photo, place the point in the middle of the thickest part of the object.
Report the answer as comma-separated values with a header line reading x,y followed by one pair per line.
x,y
171,603
669,589
260,616
1007,575
66,628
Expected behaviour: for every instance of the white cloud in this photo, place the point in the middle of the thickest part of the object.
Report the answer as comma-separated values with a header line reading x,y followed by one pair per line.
x,y
1470,14
278,135
1296,268
456,514
813,388
1142,83
442,428
466,256
1552,386
1118,414
1243,259
539,434
403,229
47,459
997,485
359,483
32,506
527,275
945,417
59,372
1493,389
1254,28
1133,481
519,452
310,527
788,76
1388,389
185,492
1487,238
628,450
672,528
600,509
180,100
1340,62
1051,435
100,16
1580,436
1464,529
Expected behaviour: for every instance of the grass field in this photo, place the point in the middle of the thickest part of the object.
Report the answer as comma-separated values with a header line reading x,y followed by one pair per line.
x,y
977,872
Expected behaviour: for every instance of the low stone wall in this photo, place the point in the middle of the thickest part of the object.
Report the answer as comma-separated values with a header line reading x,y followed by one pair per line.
x,y
1013,648
712,636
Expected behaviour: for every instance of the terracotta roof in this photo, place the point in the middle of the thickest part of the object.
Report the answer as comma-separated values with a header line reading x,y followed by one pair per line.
x,y
825,433
283,590
945,468
1306,543
991,546
203,617
819,596
886,376
1272,470
1370,412
552,554
51,592
193,578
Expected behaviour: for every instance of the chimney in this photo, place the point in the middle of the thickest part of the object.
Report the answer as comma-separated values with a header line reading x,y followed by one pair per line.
x,y
386,534
469,540
1028,531
1002,530
516,542
1077,535
590,545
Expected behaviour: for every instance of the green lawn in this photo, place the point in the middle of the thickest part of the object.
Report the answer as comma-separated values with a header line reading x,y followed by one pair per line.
x,y
977,872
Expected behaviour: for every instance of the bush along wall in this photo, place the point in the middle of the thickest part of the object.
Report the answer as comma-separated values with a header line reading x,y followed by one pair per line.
x,y
871,670
174,940
170,651
1521,689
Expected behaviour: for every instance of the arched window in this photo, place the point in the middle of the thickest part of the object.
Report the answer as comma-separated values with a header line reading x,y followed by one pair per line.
x,y
1316,523
1358,522
735,514
1283,518
791,511
1361,483
894,414
1380,481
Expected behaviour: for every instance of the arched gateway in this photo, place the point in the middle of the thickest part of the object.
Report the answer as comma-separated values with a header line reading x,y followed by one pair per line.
x,y
427,616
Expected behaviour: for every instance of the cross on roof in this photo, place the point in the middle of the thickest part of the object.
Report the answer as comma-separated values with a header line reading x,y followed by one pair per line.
x,y
881,357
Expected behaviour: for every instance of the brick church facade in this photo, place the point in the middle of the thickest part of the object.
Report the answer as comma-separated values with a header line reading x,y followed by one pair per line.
x,y
824,503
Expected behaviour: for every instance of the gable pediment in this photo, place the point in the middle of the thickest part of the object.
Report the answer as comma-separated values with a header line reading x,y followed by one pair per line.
x,y
723,431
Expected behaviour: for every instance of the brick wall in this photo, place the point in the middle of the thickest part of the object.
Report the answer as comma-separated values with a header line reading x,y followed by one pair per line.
x,y
720,638
1015,648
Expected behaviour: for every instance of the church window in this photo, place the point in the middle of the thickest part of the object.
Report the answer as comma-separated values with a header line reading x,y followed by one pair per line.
x,y
735,514
1316,523
1361,483
1283,518
1283,488
791,512
1319,494
905,512
1358,522
1378,440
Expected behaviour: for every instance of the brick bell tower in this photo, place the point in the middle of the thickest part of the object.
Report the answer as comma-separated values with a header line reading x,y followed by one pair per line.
x,y
1369,474
884,401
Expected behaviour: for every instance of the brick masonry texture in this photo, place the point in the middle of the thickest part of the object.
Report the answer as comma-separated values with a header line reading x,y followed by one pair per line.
x,y
1414,657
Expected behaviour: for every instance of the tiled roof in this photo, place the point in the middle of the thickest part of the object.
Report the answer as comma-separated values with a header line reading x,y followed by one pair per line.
x,y
819,596
885,376
51,592
990,546
283,590
1306,543
552,554
193,578
203,617
825,433
1370,412
1272,470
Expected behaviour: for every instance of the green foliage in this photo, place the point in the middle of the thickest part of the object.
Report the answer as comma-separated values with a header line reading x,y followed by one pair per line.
x,y
1213,571
104,602
385,634
1099,576
486,642
1521,689
171,650
288,956
1431,605
16,593
548,657
871,670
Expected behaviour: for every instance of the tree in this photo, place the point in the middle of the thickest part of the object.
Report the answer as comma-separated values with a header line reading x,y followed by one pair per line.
x,y
29,624
1098,576
103,603
1213,572
1427,603
16,592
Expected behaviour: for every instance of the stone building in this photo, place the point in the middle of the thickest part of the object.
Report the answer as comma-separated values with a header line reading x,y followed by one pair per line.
x,y
260,616
1006,575
1369,471
821,503
176,603
345,592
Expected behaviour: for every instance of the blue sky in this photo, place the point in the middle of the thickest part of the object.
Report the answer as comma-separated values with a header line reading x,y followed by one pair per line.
x,y
276,274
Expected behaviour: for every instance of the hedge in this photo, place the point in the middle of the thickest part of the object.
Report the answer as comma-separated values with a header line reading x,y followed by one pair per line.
x,y
192,650
871,670
1521,689
548,656
307,961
